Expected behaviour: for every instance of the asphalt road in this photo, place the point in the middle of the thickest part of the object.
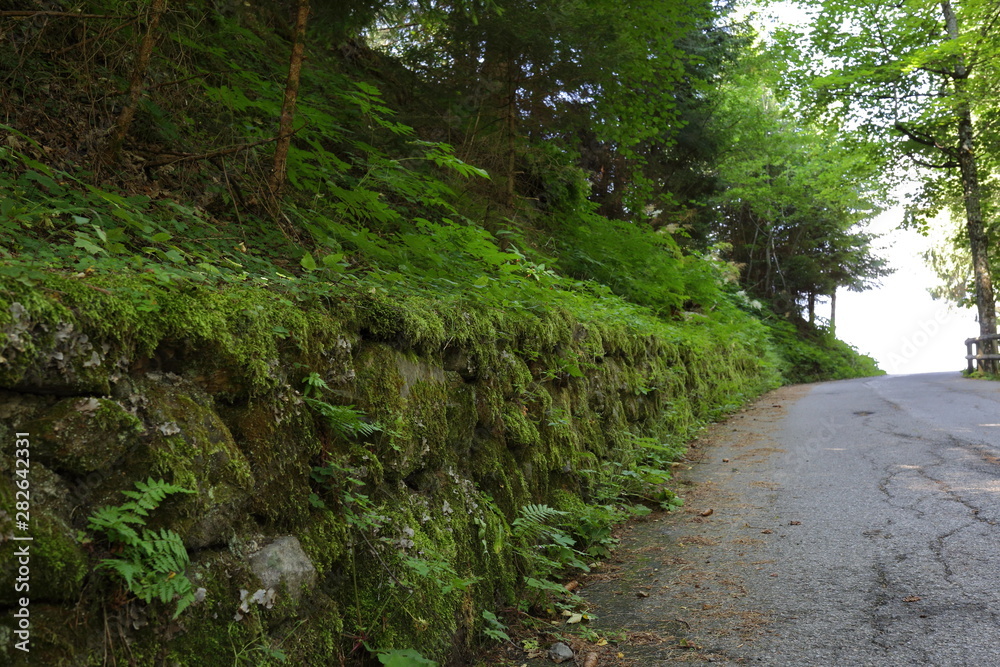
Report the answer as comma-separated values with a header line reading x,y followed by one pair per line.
x,y
838,524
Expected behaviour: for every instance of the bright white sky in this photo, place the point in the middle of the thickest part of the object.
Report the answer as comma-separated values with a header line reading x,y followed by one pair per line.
x,y
898,324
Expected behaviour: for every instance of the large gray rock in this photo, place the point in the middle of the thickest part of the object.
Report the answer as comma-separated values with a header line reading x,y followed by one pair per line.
x,y
283,563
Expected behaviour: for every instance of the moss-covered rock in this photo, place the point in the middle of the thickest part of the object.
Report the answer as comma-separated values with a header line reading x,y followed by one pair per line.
x,y
47,352
77,436
57,561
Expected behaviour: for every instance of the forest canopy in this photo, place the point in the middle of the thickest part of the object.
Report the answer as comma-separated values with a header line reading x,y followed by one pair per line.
x,y
918,80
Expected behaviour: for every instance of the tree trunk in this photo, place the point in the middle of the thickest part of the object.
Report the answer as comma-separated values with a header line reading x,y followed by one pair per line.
x,y
500,72
113,145
279,168
812,308
833,312
972,197
978,243
510,125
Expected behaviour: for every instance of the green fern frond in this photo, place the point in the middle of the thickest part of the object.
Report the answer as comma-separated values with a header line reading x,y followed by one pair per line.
x,y
152,563
344,419
114,522
534,519
152,492
183,603
127,570
167,552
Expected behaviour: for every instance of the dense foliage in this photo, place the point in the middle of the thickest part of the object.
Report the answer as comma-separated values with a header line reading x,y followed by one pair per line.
x,y
504,151
917,78
239,175
433,146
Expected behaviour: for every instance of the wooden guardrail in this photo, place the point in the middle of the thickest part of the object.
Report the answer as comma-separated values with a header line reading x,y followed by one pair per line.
x,y
982,359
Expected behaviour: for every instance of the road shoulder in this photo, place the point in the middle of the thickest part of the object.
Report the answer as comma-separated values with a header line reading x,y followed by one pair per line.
x,y
675,590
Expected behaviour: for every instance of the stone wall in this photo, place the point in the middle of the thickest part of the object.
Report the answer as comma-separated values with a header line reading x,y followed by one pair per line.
x,y
302,537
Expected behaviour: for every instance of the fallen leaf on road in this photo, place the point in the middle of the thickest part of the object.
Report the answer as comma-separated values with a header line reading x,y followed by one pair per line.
x,y
794,523
574,618
767,531
591,660
912,598
642,594
707,513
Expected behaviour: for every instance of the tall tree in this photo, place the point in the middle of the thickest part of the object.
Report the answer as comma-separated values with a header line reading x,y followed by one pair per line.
x,y
597,76
279,166
916,75
116,136
792,199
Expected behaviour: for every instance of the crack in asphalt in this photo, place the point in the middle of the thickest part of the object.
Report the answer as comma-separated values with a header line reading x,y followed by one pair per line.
x,y
897,569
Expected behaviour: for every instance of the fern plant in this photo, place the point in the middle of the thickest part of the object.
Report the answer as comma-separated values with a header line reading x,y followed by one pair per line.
x,y
532,524
546,547
344,420
151,563
546,550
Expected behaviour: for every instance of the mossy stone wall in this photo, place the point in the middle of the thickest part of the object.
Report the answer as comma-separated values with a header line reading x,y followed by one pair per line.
x,y
483,411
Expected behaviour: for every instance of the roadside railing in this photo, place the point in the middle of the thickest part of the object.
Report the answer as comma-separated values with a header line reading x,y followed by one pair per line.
x,y
984,359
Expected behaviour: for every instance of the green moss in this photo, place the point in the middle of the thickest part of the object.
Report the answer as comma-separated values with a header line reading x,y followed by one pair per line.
x,y
519,429
59,559
81,435
45,349
325,539
425,431
488,409
59,638
278,438
378,384
408,319
317,637
240,332
439,558
58,562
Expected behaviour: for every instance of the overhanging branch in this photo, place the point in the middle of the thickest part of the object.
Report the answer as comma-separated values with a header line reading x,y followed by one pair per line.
x,y
923,139
930,165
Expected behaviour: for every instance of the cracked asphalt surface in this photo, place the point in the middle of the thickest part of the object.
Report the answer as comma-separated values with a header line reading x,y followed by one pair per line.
x,y
845,523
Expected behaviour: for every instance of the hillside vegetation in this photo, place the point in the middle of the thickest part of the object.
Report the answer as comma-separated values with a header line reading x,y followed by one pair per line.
x,y
498,259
